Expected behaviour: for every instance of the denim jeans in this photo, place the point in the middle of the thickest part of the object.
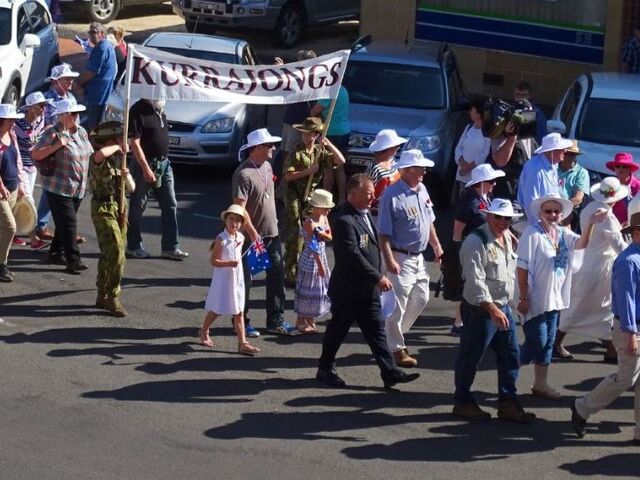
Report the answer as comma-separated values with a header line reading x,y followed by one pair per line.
x,y
44,212
275,283
539,335
478,333
166,196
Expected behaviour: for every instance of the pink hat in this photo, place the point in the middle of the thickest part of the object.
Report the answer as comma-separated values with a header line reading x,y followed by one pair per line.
x,y
624,159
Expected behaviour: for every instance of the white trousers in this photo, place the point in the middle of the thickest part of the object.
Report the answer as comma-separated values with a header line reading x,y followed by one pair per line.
x,y
616,384
411,287
31,182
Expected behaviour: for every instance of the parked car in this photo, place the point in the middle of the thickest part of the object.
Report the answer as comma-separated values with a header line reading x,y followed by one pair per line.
x,y
288,19
418,92
602,112
102,11
203,133
28,47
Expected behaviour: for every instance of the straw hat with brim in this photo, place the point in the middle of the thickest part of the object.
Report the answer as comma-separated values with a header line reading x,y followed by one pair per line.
x,y
623,159
574,148
634,222
258,137
388,302
66,106
610,190
8,110
25,215
321,199
566,205
310,125
385,139
552,142
107,130
502,207
61,71
413,158
237,209
484,173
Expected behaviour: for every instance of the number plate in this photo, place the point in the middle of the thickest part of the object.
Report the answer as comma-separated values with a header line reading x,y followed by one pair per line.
x,y
361,161
215,7
174,140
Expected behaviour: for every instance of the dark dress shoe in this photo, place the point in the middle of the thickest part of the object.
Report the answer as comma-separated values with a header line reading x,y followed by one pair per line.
x,y
577,422
76,267
330,377
56,259
398,376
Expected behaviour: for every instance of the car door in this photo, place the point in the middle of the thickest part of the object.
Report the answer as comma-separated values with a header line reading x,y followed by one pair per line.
x,y
44,57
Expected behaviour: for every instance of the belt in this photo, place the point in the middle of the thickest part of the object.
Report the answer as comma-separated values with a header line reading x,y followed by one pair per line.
x,y
406,252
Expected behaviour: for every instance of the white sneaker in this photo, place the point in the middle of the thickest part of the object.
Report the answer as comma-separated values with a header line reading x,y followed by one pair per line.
x,y
139,253
176,254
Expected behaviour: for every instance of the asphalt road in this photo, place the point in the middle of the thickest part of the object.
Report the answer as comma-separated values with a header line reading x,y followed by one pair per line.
x,y
87,396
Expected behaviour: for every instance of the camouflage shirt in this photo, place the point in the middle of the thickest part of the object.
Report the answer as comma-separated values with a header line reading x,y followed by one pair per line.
x,y
104,179
302,159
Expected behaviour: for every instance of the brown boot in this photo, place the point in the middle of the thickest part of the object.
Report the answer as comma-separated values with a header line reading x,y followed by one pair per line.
x,y
513,411
101,301
114,307
471,411
403,359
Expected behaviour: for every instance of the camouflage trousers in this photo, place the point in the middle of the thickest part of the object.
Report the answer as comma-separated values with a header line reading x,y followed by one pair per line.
x,y
294,212
112,241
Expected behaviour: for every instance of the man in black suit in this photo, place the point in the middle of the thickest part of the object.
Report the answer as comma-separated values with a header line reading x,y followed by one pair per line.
x,y
355,285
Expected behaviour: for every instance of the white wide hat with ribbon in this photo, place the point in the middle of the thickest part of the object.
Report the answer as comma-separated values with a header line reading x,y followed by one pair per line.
x,y
8,110
502,207
61,71
25,215
258,137
36,98
413,158
553,141
609,190
386,138
68,106
484,173
565,204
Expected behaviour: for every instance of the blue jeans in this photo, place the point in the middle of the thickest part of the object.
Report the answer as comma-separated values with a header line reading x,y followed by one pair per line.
x,y
478,333
44,212
166,196
539,335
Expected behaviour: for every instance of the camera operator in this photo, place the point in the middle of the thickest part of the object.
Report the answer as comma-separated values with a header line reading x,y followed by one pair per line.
x,y
509,153
524,91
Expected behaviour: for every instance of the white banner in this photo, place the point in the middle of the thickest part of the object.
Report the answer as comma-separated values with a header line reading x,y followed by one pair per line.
x,y
162,75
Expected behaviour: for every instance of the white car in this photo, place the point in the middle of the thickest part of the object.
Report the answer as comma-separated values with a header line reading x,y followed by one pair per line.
x,y
28,47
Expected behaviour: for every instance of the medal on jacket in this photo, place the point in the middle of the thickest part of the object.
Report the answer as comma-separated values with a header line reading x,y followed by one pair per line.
x,y
364,240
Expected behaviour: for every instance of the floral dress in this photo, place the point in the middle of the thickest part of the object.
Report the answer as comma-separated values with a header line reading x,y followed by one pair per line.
x,y
312,299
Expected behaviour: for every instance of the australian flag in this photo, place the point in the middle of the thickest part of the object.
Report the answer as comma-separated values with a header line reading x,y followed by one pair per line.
x,y
314,245
258,258
84,43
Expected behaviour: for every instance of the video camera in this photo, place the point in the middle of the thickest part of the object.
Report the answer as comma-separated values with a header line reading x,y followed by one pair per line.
x,y
497,113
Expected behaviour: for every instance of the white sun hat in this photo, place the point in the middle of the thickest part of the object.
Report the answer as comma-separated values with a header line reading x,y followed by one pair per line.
x,y
25,215
553,141
484,173
536,204
8,110
36,98
258,137
68,106
502,207
386,138
413,158
610,190
61,71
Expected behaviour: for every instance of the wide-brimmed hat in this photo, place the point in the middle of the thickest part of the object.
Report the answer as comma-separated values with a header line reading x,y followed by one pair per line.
x,y
413,158
388,302
258,137
35,98
553,141
68,106
623,159
484,173
321,199
574,148
8,110
386,138
610,190
502,207
310,124
107,130
25,215
61,71
566,205
634,222
237,209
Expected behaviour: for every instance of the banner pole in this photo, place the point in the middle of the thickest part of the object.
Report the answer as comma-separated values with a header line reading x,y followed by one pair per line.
x,y
125,134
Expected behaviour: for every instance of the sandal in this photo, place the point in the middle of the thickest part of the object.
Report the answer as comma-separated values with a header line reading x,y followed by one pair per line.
x,y
247,349
303,327
312,326
561,352
206,340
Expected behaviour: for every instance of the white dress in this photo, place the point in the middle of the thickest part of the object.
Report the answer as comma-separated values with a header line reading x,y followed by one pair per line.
x,y
226,292
589,313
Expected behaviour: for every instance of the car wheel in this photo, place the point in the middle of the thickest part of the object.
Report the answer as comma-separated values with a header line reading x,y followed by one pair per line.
x,y
290,26
103,11
12,95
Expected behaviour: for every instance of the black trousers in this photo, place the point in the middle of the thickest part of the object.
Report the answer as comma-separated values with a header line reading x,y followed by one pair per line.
x,y
63,210
368,317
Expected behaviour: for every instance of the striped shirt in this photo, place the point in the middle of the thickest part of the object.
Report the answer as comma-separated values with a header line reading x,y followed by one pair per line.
x,y
28,134
381,178
70,176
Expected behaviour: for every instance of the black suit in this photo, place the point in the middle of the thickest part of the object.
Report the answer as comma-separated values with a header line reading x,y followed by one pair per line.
x,y
353,290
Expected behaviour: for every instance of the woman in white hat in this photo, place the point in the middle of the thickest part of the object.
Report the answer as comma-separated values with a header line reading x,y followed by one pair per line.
x,y
12,184
382,170
545,254
62,158
589,314
473,147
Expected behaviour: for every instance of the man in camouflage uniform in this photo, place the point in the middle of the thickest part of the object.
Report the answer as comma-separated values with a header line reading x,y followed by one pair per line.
x,y
105,183
298,168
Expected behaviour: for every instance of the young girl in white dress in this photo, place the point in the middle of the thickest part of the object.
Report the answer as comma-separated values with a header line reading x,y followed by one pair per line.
x,y
226,292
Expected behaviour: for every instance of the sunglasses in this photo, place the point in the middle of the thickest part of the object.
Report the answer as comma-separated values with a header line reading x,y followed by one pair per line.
x,y
550,211
491,182
93,31
501,217
269,145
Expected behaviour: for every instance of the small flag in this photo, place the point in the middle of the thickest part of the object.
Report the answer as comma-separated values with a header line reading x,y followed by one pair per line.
x,y
84,43
314,245
258,258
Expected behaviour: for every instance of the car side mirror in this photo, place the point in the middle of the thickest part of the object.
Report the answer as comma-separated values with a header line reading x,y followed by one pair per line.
x,y
31,41
556,126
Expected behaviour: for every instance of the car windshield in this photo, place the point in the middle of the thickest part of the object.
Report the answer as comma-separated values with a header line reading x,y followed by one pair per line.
x,y
610,121
5,26
395,85
201,54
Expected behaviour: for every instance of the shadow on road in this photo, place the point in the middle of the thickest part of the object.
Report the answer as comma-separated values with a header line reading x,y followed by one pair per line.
x,y
620,465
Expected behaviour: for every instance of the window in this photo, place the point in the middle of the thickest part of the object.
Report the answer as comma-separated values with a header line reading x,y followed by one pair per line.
x,y
610,121
570,105
23,24
5,26
200,54
39,17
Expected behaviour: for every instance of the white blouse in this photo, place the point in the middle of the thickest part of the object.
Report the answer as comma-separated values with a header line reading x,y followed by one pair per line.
x,y
473,147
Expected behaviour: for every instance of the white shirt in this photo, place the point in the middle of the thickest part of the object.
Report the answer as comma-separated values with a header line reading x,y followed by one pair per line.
x,y
473,147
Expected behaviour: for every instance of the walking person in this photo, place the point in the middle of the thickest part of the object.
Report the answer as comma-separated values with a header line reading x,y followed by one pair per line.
x,y
544,273
383,170
406,226
625,298
149,142
355,287
488,269
226,294
312,285
473,147
624,168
